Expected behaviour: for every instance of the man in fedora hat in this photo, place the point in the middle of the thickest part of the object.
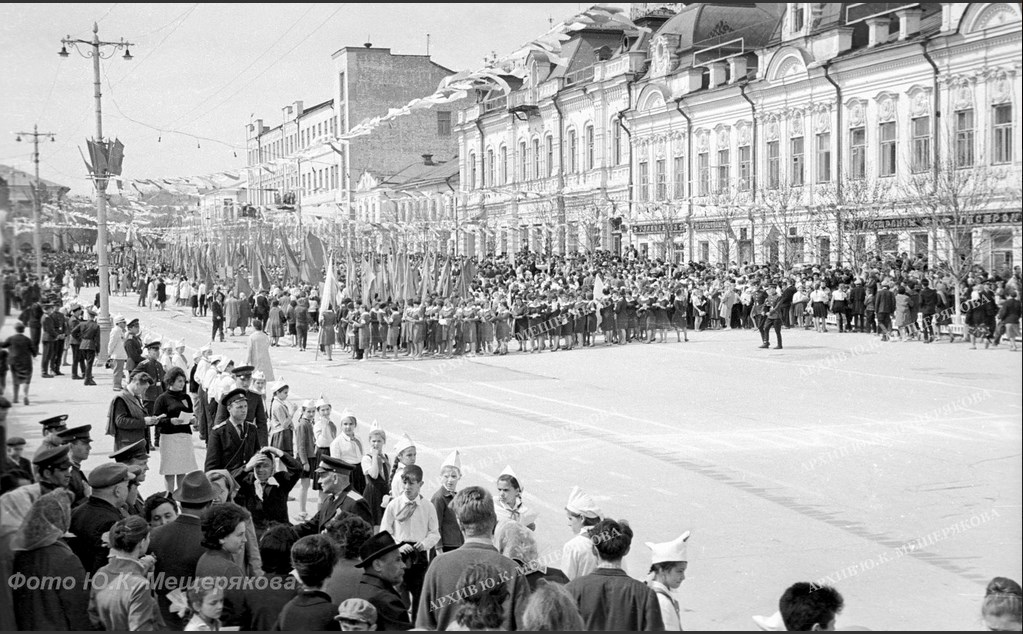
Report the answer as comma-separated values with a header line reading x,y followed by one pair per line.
x,y
335,477
234,441
256,412
384,572
80,445
178,544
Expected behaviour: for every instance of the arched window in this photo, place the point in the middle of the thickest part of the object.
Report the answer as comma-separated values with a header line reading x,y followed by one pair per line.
x,y
490,168
472,171
589,140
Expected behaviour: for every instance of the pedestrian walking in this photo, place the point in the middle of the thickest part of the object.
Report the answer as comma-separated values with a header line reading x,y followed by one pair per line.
x,y
20,354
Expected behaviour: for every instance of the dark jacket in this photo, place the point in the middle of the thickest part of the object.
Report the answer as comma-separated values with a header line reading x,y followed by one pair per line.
x,y
610,600
311,610
126,420
87,333
263,606
49,328
857,295
1009,312
450,535
392,611
885,301
45,609
928,301
226,449
133,348
347,500
178,547
274,505
256,414
88,523
220,563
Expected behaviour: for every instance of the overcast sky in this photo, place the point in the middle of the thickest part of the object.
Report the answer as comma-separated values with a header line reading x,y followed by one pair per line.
x,y
204,69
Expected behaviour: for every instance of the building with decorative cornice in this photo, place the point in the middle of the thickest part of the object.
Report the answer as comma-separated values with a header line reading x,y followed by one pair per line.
x,y
816,133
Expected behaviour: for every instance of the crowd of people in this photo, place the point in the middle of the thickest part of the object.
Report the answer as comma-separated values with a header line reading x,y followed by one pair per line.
x,y
370,548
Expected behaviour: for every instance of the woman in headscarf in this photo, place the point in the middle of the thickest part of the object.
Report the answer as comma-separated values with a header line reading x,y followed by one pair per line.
x,y
40,553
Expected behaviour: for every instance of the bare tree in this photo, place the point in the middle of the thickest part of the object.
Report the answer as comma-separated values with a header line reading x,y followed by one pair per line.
x,y
858,204
780,210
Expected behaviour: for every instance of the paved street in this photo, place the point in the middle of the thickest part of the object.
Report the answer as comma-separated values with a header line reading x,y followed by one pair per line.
x,y
893,469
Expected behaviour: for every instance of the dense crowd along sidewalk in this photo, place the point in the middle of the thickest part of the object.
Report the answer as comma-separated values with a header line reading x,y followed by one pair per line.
x,y
218,547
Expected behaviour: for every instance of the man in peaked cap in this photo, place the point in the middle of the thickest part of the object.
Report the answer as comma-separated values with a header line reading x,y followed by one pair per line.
x,y
235,440
54,471
110,486
79,444
88,334
256,413
668,564
335,479
152,366
135,457
133,345
51,426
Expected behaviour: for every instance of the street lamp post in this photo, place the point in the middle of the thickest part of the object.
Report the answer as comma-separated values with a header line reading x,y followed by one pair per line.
x,y
37,236
93,49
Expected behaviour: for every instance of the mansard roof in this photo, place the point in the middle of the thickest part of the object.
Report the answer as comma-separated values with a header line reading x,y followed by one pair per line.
x,y
707,24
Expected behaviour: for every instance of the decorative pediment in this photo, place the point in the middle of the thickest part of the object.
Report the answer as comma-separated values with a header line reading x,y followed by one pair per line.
x,y
772,126
796,122
982,16
857,111
744,131
722,135
652,97
662,57
787,64
821,114
886,102
702,140
919,100
999,84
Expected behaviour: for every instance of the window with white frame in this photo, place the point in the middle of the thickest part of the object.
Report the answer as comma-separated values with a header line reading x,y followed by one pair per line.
x,y
824,157
644,181
661,174
490,169
888,148
745,167
573,152
964,138
523,160
536,159
773,164
617,149
679,180
1002,134
921,144
797,164
504,165
590,142
858,153
472,170
703,170
549,141
724,168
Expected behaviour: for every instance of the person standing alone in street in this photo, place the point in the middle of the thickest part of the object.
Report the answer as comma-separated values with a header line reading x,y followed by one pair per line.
x,y
87,333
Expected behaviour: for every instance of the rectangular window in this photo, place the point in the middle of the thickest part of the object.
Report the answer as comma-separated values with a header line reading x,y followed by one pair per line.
x,y
796,151
888,146
536,158
921,144
661,174
703,170
504,165
723,251
490,168
745,166
680,177
824,251
472,171
824,157
443,123
618,143
920,244
342,89
858,153
590,158
888,243
704,251
573,155
1002,144
644,181
724,167
550,155
1001,250
523,162
773,165
964,138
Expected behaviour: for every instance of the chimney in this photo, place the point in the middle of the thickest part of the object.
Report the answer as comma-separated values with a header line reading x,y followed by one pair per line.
x,y
909,22
737,67
428,159
879,28
298,109
717,73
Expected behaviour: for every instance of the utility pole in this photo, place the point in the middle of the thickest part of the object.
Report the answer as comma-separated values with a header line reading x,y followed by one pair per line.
x,y
93,48
37,235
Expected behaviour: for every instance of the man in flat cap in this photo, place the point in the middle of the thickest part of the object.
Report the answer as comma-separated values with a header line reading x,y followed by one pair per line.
x,y
135,457
256,413
102,510
79,444
336,486
234,441
16,461
128,421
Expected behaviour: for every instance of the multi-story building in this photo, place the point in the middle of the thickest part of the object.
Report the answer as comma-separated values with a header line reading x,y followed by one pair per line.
x,y
307,163
16,199
415,209
802,132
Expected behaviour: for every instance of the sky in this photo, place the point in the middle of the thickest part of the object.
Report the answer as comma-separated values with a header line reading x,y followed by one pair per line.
x,y
206,70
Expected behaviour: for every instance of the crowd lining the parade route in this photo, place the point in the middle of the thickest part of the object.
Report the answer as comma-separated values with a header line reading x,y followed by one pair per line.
x,y
372,546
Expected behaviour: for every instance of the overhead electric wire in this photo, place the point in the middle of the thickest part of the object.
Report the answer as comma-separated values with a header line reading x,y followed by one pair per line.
x,y
244,70
181,20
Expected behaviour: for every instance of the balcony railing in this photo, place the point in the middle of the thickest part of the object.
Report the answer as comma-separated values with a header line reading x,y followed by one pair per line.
x,y
494,104
579,76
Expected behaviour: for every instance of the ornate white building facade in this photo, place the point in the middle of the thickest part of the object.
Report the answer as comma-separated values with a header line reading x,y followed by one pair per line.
x,y
801,132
